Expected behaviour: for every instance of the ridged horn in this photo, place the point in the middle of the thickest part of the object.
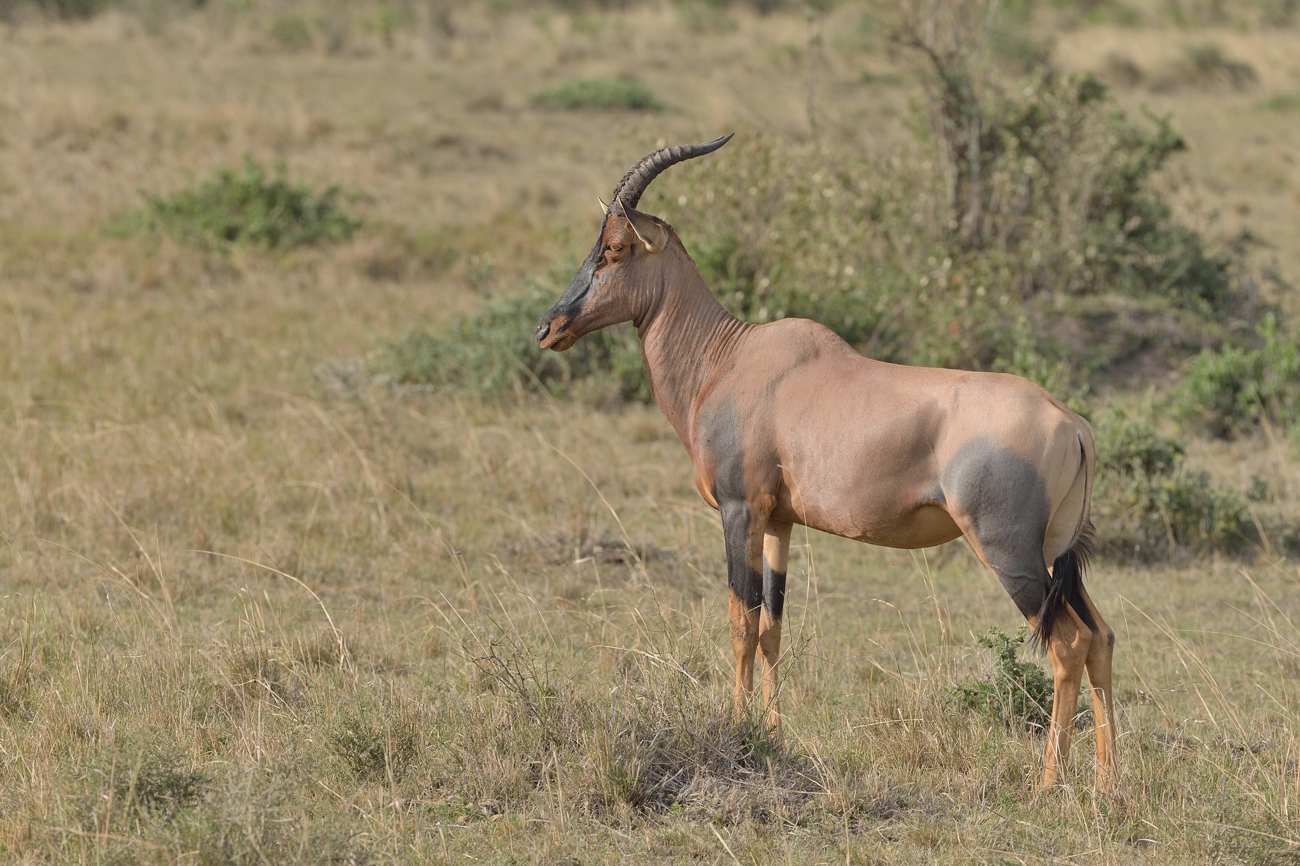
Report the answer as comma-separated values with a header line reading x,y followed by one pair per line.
x,y
647,168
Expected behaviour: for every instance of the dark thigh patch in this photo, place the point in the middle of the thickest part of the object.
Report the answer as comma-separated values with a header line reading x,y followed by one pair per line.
x,y
1005,498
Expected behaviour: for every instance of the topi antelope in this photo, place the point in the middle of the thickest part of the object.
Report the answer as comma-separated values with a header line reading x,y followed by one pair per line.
x,y
785,423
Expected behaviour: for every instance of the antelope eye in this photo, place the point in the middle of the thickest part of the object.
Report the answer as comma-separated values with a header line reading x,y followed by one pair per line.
x,y
615,247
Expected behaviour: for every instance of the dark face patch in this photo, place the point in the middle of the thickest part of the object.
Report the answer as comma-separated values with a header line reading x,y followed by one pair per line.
x,y
570,303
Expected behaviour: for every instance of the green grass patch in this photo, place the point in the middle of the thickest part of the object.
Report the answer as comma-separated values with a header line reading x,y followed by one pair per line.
x,y
603,93
249,207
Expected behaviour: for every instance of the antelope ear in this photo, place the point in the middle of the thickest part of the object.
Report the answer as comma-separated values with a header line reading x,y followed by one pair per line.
x,y
604,208
648,231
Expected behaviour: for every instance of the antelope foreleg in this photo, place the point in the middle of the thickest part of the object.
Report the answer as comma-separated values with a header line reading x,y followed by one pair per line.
x,y
1068,649
743,532
776,554
744,640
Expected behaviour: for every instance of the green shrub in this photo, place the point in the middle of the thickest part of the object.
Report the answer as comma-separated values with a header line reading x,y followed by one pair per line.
x,y
1019,693
376,743
248,208
1079,266
599,93
70,10
291,31
143,781
1282,102
491,351
1233,390
1146,503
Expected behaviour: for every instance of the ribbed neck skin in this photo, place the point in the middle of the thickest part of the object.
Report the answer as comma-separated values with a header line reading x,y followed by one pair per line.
x,y
686,337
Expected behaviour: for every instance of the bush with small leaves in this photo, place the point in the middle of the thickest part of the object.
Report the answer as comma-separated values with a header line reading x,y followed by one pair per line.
x,y
377,743
1146,503
602,93
491,351
142,781
249,208
1233,390
1019,694
1074,265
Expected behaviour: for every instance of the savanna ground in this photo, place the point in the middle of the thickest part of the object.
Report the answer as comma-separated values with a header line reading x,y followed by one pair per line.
x,y
257,606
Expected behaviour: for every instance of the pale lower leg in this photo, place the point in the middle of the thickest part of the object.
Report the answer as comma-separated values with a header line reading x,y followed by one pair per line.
x,y
1098,665
769,644
1068,650
744,641
776,555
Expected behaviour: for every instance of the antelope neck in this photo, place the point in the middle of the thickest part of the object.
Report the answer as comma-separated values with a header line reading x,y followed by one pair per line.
x,y
686,337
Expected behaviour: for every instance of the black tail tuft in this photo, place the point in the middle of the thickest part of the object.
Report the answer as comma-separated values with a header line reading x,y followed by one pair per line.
x,y
1067,581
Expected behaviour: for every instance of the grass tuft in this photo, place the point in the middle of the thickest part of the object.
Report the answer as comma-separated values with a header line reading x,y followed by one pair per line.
x,y
662,742
1282,102
603,93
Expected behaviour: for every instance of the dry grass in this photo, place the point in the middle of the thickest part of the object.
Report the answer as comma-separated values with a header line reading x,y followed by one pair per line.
x,y
255,609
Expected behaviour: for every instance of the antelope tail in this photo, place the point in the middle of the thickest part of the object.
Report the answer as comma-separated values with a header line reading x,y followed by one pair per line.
x,y
1066,586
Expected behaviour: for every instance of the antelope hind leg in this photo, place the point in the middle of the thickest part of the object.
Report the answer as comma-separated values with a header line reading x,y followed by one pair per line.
x,y
1068,649
1098,665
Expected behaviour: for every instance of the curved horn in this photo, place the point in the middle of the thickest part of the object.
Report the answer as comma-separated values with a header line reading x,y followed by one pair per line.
x,y
647,168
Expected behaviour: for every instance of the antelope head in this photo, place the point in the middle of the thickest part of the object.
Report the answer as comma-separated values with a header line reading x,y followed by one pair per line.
x,y
611,285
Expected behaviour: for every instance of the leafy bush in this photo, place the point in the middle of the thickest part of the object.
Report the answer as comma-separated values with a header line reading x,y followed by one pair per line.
x,y
599,93
1282,102
1077,267
248,208
292,32
145,781
1147,503
70,10
377,743
1233,390
1019,693
491,351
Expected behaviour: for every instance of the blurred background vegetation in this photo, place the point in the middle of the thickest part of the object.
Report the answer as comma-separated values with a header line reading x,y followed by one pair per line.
x,y
307,553
1022,222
